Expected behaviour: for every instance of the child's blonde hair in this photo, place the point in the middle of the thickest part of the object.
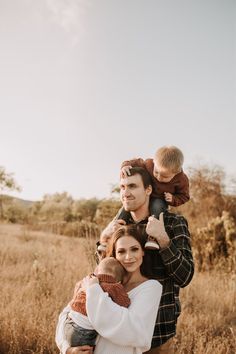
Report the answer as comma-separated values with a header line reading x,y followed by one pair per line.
x,y
170,157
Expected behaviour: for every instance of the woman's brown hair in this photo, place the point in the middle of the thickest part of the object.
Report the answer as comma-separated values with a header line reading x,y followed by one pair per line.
x,y
139,234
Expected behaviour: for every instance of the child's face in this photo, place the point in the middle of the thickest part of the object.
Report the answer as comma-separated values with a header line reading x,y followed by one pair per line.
x,y
162,174
100,252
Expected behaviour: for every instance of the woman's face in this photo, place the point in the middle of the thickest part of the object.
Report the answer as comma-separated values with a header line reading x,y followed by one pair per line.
x,y
129,253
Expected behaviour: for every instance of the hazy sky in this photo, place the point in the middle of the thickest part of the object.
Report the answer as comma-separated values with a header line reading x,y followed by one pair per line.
x,y
86,84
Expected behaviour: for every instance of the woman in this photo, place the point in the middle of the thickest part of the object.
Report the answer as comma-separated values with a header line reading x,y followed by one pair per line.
x,y
122,330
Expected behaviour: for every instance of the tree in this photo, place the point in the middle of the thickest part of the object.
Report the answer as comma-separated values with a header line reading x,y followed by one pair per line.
x,y
106,210
56,207
85,209
208,195
7,183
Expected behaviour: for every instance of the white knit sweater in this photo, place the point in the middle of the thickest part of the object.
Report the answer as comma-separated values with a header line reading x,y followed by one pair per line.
x,y
121,330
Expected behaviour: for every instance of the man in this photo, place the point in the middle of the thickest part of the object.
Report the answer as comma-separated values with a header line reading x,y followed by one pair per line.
x,y
172,264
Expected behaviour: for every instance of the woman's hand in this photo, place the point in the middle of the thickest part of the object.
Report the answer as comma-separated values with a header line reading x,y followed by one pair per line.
x,y
88,281
84,349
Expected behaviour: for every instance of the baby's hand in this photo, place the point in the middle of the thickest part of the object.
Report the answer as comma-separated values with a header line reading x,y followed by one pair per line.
x,y
125,171
168,197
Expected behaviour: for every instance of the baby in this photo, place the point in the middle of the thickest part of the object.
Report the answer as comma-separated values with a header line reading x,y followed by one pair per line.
x,y
78,329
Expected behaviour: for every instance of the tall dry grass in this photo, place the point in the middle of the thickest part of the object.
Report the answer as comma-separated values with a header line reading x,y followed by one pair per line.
x,y
208,320
38,273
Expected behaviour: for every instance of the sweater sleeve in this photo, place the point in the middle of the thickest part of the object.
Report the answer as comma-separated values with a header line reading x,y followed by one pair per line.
x,y
132,326
177,257
117,293
61,341
181,195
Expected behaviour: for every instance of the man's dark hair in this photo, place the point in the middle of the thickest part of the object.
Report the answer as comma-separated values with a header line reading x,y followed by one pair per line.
x,y
146,178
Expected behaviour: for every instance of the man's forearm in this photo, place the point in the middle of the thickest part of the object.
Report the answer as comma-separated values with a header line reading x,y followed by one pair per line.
x,y
178,265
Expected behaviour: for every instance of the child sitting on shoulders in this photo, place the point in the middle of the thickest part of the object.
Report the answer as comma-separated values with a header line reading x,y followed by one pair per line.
x,y
170,184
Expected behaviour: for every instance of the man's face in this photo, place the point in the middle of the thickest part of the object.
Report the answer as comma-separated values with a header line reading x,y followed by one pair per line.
x,y
132,192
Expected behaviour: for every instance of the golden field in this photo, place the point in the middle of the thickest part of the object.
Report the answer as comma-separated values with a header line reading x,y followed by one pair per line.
x,y
38,273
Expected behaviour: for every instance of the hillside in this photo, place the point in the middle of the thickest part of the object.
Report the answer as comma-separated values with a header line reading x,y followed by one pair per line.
x,y
7,199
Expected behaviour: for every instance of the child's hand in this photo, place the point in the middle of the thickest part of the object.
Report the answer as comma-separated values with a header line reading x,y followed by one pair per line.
x,y
168,197
125,171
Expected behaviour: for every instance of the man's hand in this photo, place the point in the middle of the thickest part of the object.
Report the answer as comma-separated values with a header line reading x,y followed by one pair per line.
x,y
168,197
111,228
156,229
125,171
84,349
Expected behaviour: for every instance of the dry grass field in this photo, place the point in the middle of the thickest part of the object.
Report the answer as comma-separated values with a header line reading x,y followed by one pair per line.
x,y
38,273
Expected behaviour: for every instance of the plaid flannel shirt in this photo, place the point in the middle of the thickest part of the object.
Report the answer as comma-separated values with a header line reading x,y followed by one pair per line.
x,y
173,266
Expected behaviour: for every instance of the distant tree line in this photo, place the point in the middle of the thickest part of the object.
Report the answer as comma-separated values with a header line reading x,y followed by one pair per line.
x,y
209,198
7,183
209,211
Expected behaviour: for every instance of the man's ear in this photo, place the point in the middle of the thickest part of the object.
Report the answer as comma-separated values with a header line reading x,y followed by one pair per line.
x,y
149,190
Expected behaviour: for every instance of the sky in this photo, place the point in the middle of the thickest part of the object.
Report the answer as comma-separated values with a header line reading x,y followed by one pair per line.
x,y
86,84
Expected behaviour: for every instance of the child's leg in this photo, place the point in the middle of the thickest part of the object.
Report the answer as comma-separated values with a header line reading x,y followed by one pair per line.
x,y
123,214
157,206
76,335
